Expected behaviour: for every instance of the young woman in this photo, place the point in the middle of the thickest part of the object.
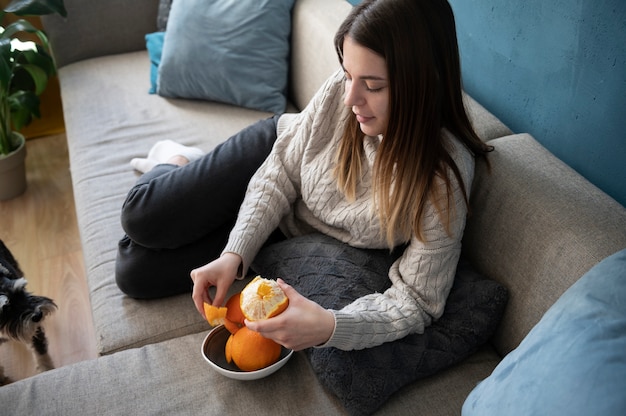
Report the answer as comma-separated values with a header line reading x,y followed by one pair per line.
x,y
383,156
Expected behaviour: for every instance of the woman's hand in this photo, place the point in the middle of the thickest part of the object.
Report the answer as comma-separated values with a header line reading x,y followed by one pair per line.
x,y
219,273
303,324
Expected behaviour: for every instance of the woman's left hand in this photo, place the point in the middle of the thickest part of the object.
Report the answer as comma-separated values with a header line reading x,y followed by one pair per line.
x,y
303,324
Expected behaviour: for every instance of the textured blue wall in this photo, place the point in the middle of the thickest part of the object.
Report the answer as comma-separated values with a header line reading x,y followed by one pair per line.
x,y
557,70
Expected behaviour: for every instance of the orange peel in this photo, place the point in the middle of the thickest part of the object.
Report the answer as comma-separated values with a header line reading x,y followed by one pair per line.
x,y
214,315
229,315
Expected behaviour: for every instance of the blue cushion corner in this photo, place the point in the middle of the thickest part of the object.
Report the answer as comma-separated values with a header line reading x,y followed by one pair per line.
x,y
573,362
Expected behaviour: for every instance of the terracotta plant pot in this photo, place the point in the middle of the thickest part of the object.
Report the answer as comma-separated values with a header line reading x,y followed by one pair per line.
x,y
13,173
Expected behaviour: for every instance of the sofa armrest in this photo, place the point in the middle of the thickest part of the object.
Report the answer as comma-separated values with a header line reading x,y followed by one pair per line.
x,y
100,27
536,226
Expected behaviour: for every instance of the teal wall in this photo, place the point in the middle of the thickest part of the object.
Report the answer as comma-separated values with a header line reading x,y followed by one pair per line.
x,y
557,70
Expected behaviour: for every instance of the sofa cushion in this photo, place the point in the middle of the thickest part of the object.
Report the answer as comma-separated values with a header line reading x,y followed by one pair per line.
x,y
163,14
573,362
103,136
315,23
99,28
536,226
171,378
485,124
231,52
333,274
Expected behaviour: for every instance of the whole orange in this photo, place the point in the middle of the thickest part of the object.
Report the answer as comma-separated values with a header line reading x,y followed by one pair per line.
x,y
234,318
250,350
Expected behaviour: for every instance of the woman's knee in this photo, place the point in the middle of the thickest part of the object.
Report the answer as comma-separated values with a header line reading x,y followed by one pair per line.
x,y
135,217
128,274
142,205
140,273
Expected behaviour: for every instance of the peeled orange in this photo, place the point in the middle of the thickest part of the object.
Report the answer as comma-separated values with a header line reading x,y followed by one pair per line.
x,y
250,351
262,299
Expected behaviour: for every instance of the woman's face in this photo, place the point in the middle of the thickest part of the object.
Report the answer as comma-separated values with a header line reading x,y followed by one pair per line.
x,y
367,87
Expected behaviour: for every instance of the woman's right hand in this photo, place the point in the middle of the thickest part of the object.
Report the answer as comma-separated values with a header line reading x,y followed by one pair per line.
x,y
220,273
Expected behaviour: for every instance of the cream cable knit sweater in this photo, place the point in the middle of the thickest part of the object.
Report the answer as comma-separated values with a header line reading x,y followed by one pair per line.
x,y
295,190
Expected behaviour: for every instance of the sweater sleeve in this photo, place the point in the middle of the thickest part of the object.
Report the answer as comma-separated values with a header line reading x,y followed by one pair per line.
x,y
277,183
421,280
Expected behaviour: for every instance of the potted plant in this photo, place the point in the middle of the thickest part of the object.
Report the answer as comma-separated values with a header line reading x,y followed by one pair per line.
x,y
25,68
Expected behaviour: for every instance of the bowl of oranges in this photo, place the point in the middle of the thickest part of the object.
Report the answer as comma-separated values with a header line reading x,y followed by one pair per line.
x,y
231,348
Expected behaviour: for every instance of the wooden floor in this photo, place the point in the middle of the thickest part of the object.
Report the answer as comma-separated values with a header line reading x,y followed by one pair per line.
x,y
40,228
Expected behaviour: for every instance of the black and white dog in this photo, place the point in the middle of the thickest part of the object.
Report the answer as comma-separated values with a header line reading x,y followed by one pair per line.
x,y
21,313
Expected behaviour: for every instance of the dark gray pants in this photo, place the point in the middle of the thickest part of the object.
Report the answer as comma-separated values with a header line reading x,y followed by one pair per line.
x,y
178,218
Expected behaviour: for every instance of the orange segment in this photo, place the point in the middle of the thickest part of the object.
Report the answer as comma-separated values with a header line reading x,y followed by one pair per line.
x,y
214,315
262,299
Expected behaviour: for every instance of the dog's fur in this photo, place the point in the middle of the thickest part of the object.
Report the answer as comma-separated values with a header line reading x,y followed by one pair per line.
x,y
21,313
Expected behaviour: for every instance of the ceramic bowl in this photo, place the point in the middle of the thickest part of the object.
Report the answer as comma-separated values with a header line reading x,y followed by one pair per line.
x,y
213,352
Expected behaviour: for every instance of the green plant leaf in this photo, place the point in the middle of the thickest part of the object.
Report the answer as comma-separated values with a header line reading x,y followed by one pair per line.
x,y
5,147
36,7
5,64
37,75
23,26
24,105
39,58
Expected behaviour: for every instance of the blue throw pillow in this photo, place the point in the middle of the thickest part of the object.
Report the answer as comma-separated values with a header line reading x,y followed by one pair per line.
x,y
573,362
154,44
234,52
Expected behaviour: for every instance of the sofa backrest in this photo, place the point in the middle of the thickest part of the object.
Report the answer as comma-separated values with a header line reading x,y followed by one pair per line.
x,y
536,226
104,27
313,57
100,27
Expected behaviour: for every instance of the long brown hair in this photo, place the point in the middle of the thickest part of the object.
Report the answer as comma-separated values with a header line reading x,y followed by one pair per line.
x,y
417,39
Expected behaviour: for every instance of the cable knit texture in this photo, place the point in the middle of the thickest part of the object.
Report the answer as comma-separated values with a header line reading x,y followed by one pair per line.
x,y
295,190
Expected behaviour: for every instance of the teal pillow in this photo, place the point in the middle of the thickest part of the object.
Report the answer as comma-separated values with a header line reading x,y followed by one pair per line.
x,y
234,52
154,44
573,362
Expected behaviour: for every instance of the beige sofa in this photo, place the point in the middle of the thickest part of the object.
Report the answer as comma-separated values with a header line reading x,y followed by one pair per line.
x,y
536,227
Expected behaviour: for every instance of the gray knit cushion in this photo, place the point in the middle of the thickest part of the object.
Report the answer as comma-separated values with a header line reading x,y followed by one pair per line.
x,y
333,274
